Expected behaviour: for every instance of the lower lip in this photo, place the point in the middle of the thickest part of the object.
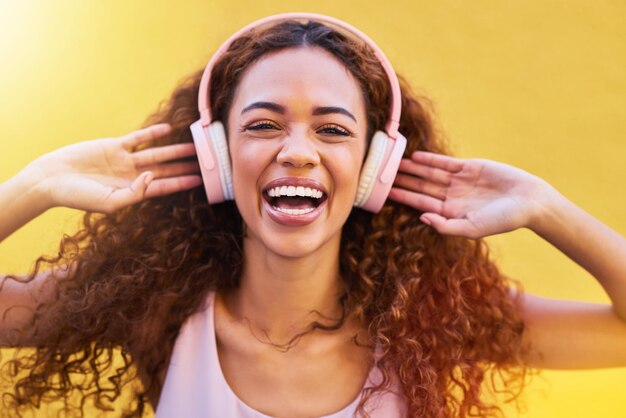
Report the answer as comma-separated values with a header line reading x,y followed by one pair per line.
x,y
286,219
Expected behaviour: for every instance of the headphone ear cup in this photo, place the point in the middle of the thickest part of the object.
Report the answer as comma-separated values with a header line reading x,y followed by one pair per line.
x,y
379,171
212,150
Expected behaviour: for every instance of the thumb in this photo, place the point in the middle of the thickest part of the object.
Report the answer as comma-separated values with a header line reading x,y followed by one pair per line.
x,y
141,183
457,227
137,190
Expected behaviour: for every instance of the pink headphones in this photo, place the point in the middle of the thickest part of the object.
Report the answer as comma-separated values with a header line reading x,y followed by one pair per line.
x,y
385,150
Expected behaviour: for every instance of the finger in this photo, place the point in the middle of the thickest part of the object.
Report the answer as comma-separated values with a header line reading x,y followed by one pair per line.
x,y
150,133
425,171
456,227
416,200
157,155
120,198
167,186
443,162
416,184
174,169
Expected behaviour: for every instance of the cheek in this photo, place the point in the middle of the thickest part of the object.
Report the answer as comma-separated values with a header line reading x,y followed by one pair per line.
x,y
245,157
249,162
345,167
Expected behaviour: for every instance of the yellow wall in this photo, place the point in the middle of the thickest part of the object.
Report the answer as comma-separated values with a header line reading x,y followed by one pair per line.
x,y
540,85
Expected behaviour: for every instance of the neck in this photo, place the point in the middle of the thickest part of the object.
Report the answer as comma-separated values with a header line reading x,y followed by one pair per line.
x,y
282,296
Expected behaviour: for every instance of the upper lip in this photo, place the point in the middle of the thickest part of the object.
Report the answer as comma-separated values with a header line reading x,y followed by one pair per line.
x,y
296,181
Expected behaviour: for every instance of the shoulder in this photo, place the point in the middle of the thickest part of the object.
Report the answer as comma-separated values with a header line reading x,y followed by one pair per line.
x,y
150,353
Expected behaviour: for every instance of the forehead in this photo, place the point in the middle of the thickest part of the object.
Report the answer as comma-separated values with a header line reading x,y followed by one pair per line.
x,y
308,73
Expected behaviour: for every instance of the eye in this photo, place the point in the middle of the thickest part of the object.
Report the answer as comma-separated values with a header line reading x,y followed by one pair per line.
x,y
261,125
334,130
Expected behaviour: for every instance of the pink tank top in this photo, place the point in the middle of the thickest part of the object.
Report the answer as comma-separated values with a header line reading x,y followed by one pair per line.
x,y
196,388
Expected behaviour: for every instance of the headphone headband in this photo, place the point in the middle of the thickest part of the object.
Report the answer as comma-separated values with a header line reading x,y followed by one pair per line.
x,y
394,119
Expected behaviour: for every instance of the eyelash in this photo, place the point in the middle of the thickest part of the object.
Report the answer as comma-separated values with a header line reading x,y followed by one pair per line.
x,y
337,130
266,124
260,125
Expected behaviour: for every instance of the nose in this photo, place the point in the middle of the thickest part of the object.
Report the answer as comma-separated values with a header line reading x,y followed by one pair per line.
x,y
298,150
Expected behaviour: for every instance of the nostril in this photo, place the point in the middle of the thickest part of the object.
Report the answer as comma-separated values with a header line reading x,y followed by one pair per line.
x,y
298,157
298,164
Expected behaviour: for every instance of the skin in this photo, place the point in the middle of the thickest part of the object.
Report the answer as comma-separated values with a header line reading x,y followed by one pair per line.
x,y
296,265
299,266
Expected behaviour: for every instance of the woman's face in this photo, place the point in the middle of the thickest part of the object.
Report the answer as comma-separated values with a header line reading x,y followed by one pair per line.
x,y
297,141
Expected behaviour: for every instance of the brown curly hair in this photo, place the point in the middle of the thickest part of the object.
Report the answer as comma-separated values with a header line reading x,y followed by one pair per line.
x,y
437,306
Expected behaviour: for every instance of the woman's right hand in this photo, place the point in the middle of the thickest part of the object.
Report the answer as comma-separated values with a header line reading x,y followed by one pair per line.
x,y
104,175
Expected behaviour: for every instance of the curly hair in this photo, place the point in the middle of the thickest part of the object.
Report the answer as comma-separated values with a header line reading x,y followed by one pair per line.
x,y
440,311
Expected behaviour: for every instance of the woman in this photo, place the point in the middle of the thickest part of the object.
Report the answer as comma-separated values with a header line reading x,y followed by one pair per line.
x,y
315,308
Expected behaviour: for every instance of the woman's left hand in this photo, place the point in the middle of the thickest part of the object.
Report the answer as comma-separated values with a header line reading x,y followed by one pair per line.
x,y
470,198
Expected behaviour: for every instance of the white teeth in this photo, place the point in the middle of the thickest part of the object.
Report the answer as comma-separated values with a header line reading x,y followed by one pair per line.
x,y
294,211
295,191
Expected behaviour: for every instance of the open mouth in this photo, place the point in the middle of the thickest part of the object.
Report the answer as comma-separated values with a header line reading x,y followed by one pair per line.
x,y
294,200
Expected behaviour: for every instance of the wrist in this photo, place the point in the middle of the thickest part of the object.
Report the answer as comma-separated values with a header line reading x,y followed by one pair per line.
x,y
34,183
21,201
548,203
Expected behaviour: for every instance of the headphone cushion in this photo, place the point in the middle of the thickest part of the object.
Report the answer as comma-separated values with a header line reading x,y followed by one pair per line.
x,y
375,156
220,145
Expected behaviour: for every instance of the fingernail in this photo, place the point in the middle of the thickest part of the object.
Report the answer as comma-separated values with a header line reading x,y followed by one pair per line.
x,y
426,221
147,179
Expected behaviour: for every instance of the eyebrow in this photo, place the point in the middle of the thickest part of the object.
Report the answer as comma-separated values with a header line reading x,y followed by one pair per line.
x,y
274,107
318,111
327,110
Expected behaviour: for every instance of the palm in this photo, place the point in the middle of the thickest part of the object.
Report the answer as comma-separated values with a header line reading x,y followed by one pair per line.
x,y
92,172
104,175
471,198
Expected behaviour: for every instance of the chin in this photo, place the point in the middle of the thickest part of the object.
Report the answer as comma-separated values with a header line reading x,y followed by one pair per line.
x,y
293,251
297,243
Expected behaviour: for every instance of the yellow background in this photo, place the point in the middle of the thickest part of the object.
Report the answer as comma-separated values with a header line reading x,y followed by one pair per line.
x,y
540,85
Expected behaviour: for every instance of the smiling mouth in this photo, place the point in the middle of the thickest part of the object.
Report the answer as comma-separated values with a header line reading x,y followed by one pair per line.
x,y
294,200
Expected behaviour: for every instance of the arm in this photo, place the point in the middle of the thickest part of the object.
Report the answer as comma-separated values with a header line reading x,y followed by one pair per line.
x,y
571,334
20,201
18,301
100,175
477,198
588,242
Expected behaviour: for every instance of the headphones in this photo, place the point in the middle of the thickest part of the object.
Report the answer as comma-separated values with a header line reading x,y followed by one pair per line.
x,y
385,150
